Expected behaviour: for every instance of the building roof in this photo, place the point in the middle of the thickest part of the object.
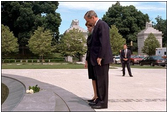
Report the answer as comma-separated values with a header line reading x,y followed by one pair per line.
x,y
149,29
75,24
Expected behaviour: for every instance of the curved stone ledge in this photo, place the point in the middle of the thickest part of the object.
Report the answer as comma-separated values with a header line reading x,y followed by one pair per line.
x,y
16,93
50,98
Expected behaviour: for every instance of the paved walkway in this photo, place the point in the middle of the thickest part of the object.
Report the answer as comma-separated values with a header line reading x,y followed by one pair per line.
x,y
146,91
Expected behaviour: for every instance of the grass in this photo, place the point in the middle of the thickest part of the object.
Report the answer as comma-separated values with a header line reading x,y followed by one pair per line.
x,y
42,66
63,65
4,93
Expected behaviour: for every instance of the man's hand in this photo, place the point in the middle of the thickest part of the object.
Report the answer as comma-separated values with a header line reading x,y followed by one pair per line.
x,y
125,59
86,64
99,61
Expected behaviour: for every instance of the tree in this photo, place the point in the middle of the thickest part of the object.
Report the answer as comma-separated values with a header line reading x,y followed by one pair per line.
x,y
116,40
40,42
72,43
150,45
9,41
24,17
127,19
161,25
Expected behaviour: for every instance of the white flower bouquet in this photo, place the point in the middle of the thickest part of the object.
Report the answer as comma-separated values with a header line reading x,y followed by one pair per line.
x,y
33,89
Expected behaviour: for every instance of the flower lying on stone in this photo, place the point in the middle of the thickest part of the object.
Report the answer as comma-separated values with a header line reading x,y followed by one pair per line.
x,y
33,89
30,91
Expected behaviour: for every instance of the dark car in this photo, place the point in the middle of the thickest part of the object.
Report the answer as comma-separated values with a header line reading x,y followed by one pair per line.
x,y
153,60
136,59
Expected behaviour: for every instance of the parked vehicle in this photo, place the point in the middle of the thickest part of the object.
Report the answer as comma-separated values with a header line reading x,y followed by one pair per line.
x,y
117,59
161,51
136,59
153,60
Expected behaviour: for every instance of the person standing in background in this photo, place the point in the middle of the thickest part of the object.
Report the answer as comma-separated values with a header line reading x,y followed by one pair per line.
x,y
125,59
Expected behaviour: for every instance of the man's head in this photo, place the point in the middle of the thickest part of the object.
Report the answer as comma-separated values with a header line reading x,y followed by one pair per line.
x,y
91,17
125,46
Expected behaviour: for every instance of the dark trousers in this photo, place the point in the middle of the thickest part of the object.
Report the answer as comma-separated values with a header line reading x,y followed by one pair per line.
x,y
128,67
101,73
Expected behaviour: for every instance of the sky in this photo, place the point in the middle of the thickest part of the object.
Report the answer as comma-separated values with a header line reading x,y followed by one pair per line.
x,y
76,10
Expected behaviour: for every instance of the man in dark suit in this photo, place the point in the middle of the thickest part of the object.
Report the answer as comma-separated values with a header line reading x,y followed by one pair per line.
x,y
125,59
100,56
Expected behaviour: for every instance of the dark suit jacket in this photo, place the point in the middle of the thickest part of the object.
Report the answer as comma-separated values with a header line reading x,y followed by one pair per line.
x,y
123,55
88,46
99,45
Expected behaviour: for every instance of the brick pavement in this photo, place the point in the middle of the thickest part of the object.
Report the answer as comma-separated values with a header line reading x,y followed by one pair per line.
x,y
146,91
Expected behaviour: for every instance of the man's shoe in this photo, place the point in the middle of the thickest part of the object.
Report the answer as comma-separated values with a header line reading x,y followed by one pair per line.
x,y
131,75
99,107
92,103
123,75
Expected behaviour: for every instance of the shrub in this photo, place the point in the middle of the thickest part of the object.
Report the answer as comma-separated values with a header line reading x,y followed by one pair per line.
x,y
57,60
17,60
11,60
34,60
6,61
30,60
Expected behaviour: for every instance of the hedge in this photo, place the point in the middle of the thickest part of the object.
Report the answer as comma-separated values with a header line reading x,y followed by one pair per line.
x,y
32,60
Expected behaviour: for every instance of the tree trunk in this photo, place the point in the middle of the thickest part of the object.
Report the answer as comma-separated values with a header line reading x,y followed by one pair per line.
x,y
42,59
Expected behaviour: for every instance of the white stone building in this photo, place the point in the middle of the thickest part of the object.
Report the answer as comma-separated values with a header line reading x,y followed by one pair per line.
x,y
75,24
144,34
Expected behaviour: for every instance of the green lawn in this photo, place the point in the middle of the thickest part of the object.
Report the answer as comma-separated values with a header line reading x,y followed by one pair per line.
x,y
63,65
42,66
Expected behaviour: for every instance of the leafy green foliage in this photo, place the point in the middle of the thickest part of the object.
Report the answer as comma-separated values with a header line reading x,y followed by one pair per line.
x,y
9,41
116,40
24,17
162,26
35,88
72,43
127,19
150,45
40,42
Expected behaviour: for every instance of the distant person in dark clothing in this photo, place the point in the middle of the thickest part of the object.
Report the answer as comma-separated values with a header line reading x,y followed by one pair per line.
x,y
125,59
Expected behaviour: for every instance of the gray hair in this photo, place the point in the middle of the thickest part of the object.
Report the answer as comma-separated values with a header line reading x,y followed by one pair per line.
x,y
90,14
